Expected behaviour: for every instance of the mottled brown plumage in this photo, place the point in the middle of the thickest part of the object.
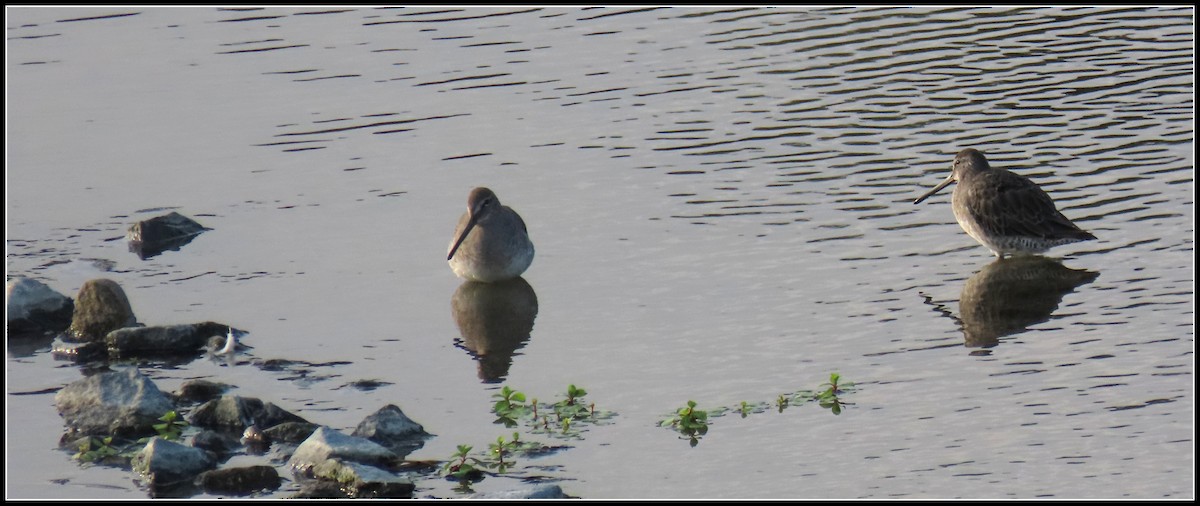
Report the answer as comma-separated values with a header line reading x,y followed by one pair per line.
x,y
1005,212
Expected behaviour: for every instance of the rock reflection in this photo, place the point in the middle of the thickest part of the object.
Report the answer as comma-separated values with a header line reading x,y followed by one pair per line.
x,y
495,320
1011,294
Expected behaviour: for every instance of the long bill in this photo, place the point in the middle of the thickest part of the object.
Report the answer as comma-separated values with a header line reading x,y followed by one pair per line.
x,y
935,189
461,237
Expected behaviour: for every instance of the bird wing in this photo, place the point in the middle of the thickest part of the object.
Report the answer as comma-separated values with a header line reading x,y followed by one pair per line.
x,y
1012,205
522,222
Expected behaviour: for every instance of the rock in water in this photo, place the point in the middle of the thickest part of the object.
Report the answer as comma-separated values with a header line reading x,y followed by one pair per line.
x,y
169,232
393,429
120,403
35,307
326,443
100,307
233,412
239,480
166,339
164,462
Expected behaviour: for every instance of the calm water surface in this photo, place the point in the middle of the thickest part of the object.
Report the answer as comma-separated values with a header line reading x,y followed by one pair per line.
x,y
721,201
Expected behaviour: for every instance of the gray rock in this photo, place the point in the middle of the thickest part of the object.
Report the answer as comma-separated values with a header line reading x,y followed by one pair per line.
x,y
200,390
542,491
151,237
290,432
320,489
363,481
35,307
216,442
119,403
182,339
100,307
239,480
164,462
234,412
391,428
326,443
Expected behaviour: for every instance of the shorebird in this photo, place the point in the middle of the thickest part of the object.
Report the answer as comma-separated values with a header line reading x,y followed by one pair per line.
x,y
491,242
1005,212
230,343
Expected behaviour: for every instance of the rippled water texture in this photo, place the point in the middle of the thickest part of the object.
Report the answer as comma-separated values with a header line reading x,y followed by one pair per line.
x,y
721,201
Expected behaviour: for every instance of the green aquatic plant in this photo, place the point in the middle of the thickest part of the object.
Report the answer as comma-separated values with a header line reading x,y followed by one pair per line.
x,y
501,448
693,423
511,410
835,385
689,421
93,448
497,451
510,406
560,420
832,403
172,426
462,466
499,458
828,399
572,407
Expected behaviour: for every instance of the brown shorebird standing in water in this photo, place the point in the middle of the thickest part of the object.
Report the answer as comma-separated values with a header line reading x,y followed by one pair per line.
x,y
491,242
1005,212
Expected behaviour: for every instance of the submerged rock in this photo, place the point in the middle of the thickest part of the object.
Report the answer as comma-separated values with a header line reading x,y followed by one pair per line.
x,y
326,443
234,412
239,480
200,390
216,442
165,463
542,491
364,481
63,348
34,307
151,237
321,489
290,432
119,403
168,339
391,428
100,307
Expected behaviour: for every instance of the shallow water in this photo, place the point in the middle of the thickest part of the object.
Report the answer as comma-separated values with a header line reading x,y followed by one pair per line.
x,y
721,203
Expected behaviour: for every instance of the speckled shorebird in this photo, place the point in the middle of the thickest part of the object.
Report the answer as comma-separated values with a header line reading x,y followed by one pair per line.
x,y
491,242
1005,212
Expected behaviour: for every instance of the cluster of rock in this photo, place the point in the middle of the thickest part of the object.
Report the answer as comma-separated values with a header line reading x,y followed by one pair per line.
x,y
140,427
126,406
99,322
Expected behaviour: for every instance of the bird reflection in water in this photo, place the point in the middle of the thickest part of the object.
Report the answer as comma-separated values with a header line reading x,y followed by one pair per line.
x,y
1010,294
495,320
